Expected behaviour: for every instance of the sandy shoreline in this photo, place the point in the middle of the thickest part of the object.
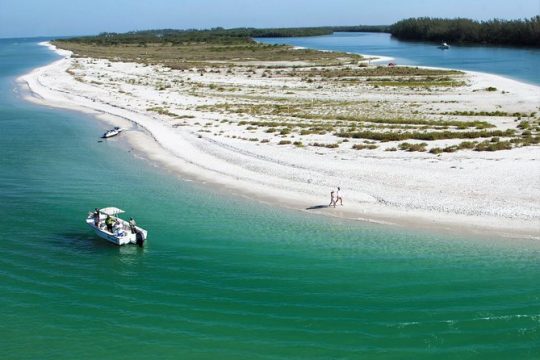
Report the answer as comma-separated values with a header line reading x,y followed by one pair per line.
x,y
467,191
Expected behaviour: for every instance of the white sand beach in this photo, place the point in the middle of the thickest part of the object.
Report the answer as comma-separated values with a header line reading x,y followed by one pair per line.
x,y
190,129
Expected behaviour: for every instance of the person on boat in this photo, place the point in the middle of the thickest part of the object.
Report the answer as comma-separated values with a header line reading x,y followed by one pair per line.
x,y
96,217
109,221
118,228
132,225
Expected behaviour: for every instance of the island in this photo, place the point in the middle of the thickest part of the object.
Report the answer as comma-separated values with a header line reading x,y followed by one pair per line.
x,y
413,146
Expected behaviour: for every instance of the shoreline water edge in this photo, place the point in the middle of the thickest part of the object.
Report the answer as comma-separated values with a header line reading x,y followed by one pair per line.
x,y
483,193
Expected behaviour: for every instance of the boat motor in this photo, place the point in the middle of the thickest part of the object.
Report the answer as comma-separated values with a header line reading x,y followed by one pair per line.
x,y
139,236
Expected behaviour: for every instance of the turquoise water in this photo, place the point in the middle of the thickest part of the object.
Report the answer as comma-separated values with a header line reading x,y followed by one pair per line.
x,y
520,64
224,277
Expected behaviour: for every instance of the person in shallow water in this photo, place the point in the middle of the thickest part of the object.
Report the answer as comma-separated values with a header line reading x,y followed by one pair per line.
x,y
132,225
109,221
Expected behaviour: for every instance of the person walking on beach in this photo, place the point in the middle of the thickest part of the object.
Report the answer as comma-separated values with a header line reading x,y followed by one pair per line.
x,y
332,199
339,197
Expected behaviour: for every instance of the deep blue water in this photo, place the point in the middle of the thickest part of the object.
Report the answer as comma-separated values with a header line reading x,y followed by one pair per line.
x,y
518,63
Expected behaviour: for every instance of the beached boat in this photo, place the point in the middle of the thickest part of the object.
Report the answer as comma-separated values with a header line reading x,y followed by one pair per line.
x,y
444,46
110,133
122,232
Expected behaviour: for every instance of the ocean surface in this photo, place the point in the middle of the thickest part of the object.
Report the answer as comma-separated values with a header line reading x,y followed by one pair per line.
x,y
222,276
518,63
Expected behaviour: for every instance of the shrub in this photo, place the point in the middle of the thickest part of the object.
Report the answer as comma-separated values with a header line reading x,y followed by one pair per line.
x,y
493,146
364,146
421,135
284,142
413,147
285,131
330,146
467,145
491,88
451,149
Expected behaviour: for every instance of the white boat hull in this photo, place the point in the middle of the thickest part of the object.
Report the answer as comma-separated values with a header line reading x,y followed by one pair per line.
x,y
112,133
119,238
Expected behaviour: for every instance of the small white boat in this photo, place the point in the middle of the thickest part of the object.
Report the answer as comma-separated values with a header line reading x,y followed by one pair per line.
x,y
122,232
444,46
110,133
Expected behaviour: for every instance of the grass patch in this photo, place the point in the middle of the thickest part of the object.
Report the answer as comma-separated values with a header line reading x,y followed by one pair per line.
x,y
485,113
412,147
348,72
493,146
426,135
329,146
418,83
364,147
195,54
162,111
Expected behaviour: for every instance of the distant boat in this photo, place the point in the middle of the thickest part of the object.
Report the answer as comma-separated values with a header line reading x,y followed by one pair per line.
x,y
444,46
110,133
122,231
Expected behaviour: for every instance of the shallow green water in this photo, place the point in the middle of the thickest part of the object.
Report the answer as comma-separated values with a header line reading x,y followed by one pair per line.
x,y
224,277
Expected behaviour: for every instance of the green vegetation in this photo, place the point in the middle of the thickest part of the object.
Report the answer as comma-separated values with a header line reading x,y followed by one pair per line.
x,y
487,113
200,55
418,83
364,147
449,149
297,111
500,32
162,111
493,146
215,35
183,49
413,147
373,72
329,146
423,135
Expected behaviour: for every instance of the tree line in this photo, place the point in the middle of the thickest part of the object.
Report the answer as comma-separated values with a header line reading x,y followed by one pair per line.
x,y
215,35
524,32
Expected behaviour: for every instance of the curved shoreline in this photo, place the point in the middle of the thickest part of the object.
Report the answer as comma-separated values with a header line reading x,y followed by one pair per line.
x,y
287,180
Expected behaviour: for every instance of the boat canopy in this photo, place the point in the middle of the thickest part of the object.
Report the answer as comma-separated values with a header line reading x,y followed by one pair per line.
x,y
111,211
